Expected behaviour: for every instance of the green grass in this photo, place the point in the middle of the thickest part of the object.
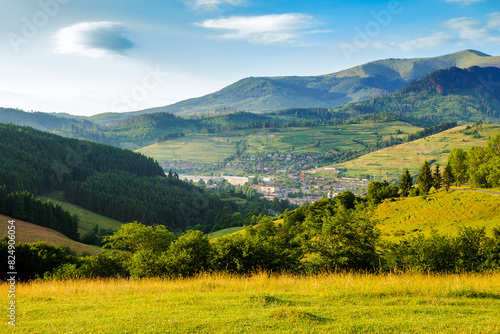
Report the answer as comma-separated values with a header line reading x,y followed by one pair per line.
x,y
86,219
209,148
390,162
441,211
30,233
333,303
224,232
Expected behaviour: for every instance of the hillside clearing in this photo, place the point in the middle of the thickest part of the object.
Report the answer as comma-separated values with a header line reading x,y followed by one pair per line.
x,y
26,232
442,212
86,219
389,163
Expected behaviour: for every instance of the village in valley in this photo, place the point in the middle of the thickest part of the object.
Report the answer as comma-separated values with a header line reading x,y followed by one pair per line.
x,y
272,175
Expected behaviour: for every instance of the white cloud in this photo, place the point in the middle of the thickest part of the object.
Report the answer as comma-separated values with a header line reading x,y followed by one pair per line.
x,y
468,28
465,2
266,29
213,4
493,21
93,39
438,39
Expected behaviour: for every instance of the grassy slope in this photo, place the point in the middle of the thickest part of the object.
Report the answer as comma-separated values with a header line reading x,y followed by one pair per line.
x,y
211,147
335,303
26,232
226,231
443,212
390,162
86,219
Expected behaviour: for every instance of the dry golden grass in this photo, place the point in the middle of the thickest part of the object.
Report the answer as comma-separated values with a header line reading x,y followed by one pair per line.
x,y
219,303
26,232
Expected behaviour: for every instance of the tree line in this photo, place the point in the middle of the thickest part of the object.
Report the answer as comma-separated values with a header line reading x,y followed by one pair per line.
x,y
329,235
24,206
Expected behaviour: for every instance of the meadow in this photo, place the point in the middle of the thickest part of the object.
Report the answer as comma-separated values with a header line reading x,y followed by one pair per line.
x,y
221,303
442,212
87,220
210,148
389,163
31,233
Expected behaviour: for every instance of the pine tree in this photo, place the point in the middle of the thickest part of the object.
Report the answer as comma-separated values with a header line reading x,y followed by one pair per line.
x,y
425,178
447,176
438,180
405,183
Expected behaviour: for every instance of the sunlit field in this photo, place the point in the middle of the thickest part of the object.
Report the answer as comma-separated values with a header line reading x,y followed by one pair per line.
x,y
329,303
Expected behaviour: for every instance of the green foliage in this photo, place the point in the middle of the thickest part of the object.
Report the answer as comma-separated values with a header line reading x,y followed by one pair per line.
x,y
470,251
458,163
24,206
377,191
33,260
425,179
135,237
437,179
346,199
348,241
405,183
448,178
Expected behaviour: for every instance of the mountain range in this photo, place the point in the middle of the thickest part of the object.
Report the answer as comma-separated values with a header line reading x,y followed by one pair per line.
x,y
265,94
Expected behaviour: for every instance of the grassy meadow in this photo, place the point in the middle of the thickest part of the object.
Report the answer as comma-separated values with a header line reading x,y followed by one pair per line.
x,y
441,211
209,148
26,232
330,303
390,162
86,219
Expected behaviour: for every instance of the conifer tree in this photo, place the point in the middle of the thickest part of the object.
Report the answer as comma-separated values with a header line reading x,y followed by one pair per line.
x,y
425,178
438,180
447,176
405,183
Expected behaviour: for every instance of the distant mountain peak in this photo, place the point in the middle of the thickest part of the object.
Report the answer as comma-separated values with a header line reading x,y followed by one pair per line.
x,y
266,94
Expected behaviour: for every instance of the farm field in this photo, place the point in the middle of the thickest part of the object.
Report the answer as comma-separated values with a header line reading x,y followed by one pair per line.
x,y
26,232
442,212
86,219
389,163
210,148
330,303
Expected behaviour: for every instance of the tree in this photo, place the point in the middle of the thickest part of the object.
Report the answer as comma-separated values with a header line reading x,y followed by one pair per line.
x,y
425,178
405,183
477,167
458,163
377,191
136,237
448,178
493,160
437,179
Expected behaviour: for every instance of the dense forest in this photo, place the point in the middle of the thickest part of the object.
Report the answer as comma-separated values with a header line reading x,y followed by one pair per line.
x,y
460,95
113,182
24,206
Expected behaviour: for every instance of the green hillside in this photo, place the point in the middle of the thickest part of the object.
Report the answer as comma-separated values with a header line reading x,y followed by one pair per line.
x,y
389,163
87,220
209,148
442,212
26,232
460,95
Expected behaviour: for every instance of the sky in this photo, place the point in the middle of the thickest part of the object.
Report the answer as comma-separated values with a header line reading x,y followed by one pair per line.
x,y
86,57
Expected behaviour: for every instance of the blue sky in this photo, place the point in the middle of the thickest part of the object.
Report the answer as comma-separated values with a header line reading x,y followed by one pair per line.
x,y
91,56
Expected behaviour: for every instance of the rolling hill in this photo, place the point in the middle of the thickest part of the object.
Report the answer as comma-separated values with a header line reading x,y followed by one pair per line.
x,y
453,94
389,163
264,94
27,232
